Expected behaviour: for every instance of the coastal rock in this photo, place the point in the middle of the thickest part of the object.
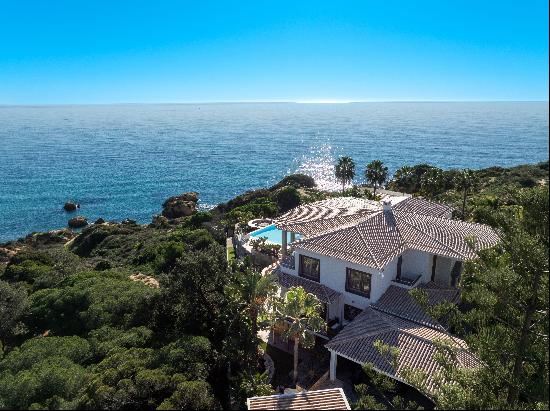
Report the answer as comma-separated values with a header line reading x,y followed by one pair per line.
x,y
70,206
7,253
51,237
145,279
78,222
159,221
180,206
100,221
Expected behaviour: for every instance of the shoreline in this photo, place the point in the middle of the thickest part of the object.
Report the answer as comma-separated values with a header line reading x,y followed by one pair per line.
x,y
75,232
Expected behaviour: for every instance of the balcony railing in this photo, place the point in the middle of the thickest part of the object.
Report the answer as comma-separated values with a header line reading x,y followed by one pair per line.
x,y
408,281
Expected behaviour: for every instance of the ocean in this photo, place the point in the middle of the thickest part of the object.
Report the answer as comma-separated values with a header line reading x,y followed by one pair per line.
x,y
123,161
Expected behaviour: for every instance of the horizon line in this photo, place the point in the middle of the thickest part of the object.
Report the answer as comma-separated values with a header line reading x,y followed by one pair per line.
x,y
320,101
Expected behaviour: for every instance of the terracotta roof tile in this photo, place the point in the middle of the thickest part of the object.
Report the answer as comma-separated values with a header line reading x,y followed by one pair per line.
x,y
415,342
378,238
397,301
326,215
419,205
330,399
322,292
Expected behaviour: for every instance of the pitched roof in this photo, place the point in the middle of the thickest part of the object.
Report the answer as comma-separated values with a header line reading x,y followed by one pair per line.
x,y
397,301
419,205
379,237
331,399
415,342
322,292
326,215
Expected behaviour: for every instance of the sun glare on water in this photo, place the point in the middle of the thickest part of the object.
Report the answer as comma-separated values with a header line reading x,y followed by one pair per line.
x,y
319,163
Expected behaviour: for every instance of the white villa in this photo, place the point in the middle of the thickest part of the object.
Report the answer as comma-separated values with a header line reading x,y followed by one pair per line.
x,y
360,258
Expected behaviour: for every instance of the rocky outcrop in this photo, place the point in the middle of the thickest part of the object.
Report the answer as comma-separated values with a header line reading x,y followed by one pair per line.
x,y
78,222
159,221
6,253
100,221
145,279
51,237
70,206
180,206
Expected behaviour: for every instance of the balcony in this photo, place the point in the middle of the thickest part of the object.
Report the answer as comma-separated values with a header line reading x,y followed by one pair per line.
x,y
408,281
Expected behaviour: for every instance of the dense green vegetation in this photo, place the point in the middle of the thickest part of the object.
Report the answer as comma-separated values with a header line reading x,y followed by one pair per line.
x,y
77,332
152,316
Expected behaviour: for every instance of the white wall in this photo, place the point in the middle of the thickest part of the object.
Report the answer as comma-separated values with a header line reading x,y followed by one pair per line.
x,y
333,275
416,262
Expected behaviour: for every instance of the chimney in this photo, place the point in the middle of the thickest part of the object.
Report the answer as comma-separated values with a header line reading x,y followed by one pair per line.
x,y
386,205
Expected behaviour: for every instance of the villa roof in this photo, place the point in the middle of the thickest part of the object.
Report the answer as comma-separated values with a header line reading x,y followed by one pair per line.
x,y
397,301
326,215
322,292
330,399
419,205
379,237
416,344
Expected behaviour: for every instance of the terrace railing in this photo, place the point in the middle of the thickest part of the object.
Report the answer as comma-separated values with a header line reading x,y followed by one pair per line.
x,y
408,282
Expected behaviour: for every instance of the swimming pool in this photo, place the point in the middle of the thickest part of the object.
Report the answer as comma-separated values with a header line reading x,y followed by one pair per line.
x,y
272,233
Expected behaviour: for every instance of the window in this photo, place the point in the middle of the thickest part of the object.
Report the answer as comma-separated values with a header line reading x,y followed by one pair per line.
x,y
350,312
309,268
358,282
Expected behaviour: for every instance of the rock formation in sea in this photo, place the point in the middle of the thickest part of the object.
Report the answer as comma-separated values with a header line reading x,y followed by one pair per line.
x,y
180,206
78,222
70,206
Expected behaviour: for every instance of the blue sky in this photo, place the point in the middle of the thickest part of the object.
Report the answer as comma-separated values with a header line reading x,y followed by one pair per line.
x,y
199,51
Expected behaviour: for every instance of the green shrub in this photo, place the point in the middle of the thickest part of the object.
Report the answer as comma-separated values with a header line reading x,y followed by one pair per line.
x,y
103,265
191,395
296,181
13,307
258,208
107,338
197,219
92,236
91,300
28,271
287,198
38,257
260,244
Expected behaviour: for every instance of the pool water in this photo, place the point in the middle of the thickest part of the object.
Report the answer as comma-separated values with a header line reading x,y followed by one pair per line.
x,y
272,233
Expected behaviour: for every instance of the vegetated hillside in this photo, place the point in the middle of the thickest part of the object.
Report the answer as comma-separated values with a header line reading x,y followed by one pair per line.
x,y
124,315
151,316
489,187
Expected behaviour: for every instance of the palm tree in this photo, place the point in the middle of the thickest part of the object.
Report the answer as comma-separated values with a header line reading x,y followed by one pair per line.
x,y
376,174
403,179
250,291
432,182
465,180
301,310
345,170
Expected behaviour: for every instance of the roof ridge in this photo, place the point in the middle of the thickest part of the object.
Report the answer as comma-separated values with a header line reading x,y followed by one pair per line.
x,y
358,217
365,335
431,236
388,312
338,229
443,330
378,266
